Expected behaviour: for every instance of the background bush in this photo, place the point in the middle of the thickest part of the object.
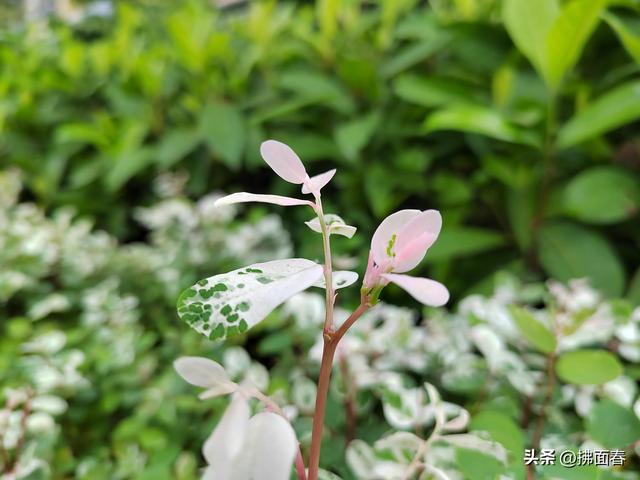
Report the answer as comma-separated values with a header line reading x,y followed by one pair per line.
x,y
419,105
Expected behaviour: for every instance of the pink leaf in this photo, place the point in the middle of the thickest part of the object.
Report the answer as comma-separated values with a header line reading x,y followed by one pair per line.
x,y
243,197
386,235
315,184
415,238
284,161
426,291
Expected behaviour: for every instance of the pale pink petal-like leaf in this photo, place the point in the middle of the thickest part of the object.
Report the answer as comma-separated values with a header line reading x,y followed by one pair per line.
x,y
386,234
243,197
426,291
315,184
228,438
415,238
284,161
201,372
269,451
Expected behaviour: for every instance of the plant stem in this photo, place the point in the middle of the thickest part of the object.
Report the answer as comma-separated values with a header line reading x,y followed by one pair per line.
x,y
349,402
547,159
331,340
551,382
328,268
417,459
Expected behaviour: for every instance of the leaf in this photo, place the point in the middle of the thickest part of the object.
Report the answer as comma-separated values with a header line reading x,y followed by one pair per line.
x,y
568,35
551,38
588,367
628,31
469,441
233,302
434,91
457,242
528,23
340,279
602,195
634,289
535,332
612,425
222,127
521,211
475,465
176,145
614,109
353,136
335,224
567,251
126,165
481,120
501,428
315,87
269,449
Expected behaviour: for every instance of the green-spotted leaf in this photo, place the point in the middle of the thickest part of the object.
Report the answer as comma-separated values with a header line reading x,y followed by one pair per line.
x,y
588,367
481,120
233,302
535,332
612,425
602,195
615,108
570,251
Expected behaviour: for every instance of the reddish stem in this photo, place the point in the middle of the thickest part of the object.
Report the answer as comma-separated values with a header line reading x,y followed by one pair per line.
x,y
331,340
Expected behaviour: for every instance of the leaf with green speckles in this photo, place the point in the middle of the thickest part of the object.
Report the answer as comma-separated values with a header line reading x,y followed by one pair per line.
x,y
231,303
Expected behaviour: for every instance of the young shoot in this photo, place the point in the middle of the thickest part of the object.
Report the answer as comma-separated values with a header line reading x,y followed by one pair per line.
x,y
264,446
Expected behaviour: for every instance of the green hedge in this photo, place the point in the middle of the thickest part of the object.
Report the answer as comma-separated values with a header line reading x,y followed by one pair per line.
x,y
516,121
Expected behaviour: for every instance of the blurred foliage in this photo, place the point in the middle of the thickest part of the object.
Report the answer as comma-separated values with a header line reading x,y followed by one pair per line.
x,y
88,336
516,120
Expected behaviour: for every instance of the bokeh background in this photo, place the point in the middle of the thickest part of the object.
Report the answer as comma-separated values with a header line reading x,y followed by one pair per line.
x,y
120,122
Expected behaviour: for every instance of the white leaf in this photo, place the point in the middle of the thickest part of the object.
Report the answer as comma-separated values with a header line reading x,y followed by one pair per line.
x,y
49,404
361,459
402,445
459,422
335,224
474,442
340,279
431,472
201,372
269,450
226,441
436,404
244,197
236,301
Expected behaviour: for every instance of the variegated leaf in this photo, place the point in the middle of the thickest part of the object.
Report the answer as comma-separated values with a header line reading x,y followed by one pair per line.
x,y
233,302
